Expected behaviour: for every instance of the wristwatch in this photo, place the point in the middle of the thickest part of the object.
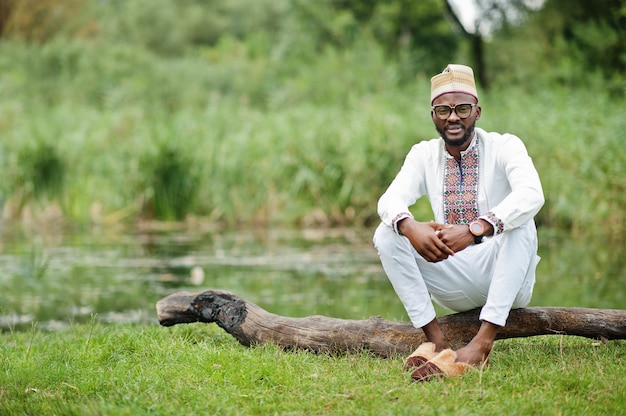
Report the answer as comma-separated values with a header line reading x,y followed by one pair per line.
x,y
477,229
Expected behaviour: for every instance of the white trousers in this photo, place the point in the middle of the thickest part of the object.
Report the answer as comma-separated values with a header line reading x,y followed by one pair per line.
x,y
497,275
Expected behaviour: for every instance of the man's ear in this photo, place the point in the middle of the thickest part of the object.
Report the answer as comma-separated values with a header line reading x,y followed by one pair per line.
x,y
478,111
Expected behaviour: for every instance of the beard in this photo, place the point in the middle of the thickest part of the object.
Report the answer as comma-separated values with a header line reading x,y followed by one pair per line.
x,y
469,132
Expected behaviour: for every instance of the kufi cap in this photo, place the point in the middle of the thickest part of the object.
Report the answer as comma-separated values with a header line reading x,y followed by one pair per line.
x,y
455,78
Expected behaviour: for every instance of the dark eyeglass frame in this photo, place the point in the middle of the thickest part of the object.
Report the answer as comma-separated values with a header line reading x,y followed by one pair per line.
x,y
454,108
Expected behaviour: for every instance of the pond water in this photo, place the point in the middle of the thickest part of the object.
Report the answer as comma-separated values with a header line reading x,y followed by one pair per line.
x,y
54,279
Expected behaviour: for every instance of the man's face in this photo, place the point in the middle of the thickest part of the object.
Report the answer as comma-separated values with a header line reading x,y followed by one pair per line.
x,y
456,131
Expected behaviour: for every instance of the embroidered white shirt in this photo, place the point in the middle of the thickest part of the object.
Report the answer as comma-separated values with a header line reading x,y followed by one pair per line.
x,y
509,190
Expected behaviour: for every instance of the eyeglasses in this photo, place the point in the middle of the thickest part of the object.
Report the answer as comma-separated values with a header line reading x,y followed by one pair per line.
x,y
442,112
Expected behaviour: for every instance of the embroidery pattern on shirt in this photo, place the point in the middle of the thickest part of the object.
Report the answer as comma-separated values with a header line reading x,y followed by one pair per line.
x,y
497,223
460,187
397,219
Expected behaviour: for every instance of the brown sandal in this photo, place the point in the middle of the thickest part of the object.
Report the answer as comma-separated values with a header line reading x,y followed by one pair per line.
x,y
443,364
420,356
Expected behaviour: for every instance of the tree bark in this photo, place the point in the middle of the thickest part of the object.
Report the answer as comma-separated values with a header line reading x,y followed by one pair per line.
x,y
251,324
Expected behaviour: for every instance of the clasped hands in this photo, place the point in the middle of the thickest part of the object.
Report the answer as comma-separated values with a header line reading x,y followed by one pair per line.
x,y
436,242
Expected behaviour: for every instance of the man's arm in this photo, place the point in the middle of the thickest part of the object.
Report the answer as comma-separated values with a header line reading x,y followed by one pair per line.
x,y
525,198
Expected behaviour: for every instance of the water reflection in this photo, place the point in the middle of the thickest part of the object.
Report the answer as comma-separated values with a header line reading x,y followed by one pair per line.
x,y
118,277
581,270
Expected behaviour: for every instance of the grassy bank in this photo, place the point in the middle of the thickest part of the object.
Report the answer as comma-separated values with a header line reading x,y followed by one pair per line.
x,y
199,369
106,133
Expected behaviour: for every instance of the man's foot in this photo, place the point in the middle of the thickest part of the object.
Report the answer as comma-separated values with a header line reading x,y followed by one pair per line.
x,y
478,350
474,354
444,345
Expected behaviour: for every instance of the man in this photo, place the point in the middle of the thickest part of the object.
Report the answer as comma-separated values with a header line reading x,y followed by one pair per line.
x,y
481,249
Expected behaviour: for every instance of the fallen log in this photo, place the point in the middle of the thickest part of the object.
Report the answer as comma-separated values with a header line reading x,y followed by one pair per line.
x,y
251,324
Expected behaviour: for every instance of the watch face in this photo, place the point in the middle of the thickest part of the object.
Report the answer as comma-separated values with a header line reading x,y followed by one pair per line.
x,y
476,228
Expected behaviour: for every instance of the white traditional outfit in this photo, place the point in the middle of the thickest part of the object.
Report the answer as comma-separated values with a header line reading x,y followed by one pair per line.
x,y
495,180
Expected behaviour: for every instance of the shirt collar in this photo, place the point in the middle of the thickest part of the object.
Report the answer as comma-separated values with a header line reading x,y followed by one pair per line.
x,y
473,145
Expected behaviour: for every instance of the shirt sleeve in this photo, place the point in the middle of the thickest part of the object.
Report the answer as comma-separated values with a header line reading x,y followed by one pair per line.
x,y
406,188
526,197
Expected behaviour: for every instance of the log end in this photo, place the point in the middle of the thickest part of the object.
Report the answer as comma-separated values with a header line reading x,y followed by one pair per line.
x,y
176,309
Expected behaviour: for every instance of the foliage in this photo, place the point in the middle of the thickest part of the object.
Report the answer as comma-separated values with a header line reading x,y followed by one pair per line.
x,y
318,148
416,34
128,370
563,42
169,188
43,171
34,175
594,32
293,114
169,29
41,20
569,38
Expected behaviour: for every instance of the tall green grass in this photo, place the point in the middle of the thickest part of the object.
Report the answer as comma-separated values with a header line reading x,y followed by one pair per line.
x,y
240,138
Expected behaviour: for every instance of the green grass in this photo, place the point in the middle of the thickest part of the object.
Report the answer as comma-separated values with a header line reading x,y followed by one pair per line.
x,y
92,369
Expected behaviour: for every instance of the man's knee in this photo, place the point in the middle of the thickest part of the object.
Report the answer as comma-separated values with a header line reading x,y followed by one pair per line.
x,y
385,239
526,232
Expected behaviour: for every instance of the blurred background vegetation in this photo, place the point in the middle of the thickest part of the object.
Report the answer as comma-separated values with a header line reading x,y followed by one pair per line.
x,y
243,112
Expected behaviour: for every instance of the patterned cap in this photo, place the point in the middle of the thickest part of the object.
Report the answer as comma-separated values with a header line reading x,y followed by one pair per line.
x,y
455,78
